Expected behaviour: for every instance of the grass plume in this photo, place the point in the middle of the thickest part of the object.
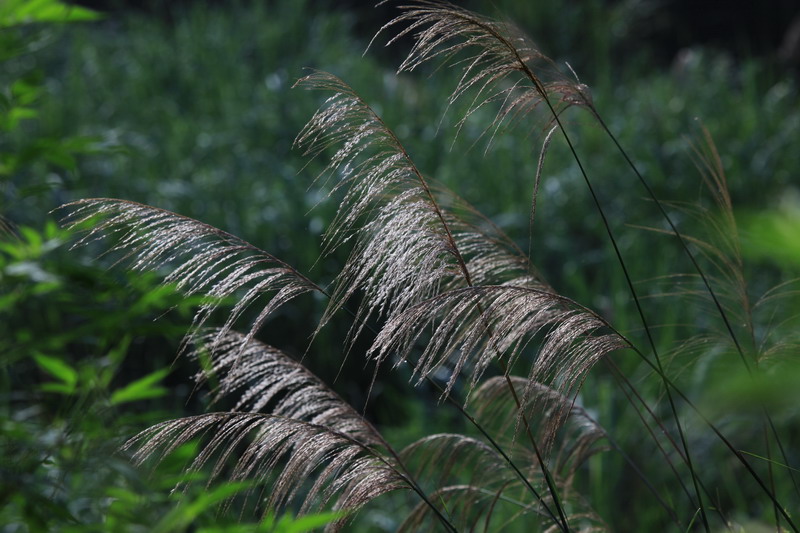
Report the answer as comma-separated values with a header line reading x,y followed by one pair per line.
x,y
441,289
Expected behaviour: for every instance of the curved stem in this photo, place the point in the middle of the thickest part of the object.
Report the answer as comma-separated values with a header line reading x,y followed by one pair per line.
x,y
495,445
406,474
685,247
739,456
564,525
540,89
631,288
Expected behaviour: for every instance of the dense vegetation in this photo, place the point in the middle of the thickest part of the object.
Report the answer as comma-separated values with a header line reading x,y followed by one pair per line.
x,y
689,427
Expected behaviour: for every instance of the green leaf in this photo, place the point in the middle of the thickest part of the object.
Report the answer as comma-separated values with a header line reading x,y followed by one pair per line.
x,y
141,389
774,235
60,370
307,523
25,93
286,524
17,12
185,513
15,115
58,388
31,236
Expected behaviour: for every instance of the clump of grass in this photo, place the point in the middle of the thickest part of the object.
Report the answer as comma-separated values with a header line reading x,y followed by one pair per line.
x,y
434,286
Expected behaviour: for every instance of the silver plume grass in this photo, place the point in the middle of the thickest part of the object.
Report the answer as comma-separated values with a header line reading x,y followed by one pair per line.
x,y
430,270
410,249
284,451
310,433
403,250
566,430
198,258
475,326
498,61
258,376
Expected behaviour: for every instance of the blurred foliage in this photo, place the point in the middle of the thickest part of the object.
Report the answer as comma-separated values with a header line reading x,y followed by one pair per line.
x,y
73,339
66,334
69,349
27,164
774,235
18,12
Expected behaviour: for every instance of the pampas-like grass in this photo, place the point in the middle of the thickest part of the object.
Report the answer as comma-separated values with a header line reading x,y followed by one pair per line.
x,y
199,258
439,288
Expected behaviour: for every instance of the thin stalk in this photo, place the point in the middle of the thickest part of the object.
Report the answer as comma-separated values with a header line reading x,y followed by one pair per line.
x,y
406,474
631,288
527,72
416,488
614,444
622,379
696,266
771,476
678,235
719,435
495,445
468,280
783,454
